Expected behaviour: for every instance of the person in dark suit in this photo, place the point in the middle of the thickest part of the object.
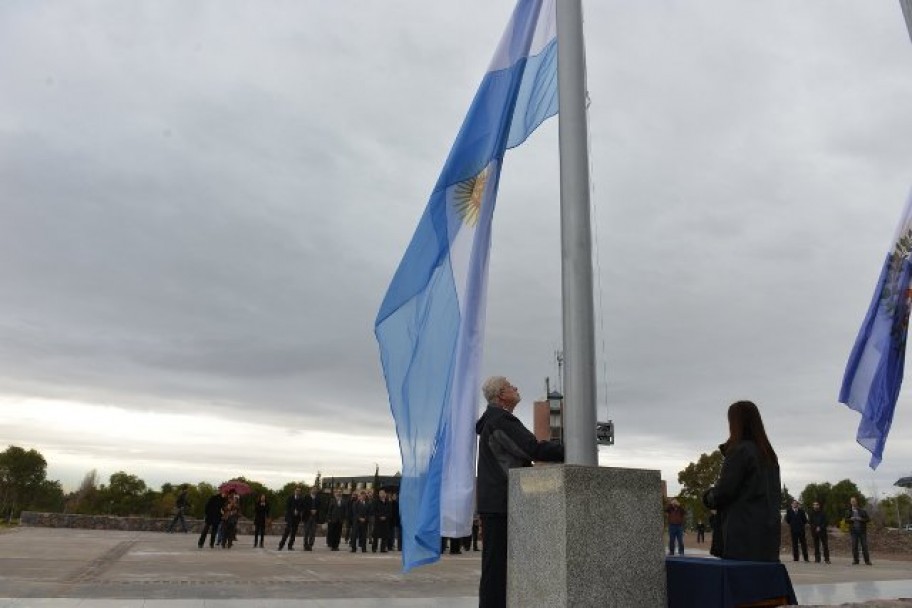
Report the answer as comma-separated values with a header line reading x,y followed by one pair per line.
x,y
360,512
747,495
260,515
395,534
383,512
349,526
294,507
818,521
858,519
338,513
797,519
310,516
213,519
503,444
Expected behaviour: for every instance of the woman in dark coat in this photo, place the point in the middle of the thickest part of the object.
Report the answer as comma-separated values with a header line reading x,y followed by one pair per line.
x,y
748,492
260,515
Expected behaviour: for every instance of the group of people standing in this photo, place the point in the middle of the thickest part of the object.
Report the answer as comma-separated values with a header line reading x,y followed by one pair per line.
x,y
223,510
358,518
798,519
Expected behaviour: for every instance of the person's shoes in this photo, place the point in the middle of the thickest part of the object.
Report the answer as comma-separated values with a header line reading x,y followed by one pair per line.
x,y
382,550
827,562
806,560
308,548
363,550
280,547
868,564
475,549
290,548
334,549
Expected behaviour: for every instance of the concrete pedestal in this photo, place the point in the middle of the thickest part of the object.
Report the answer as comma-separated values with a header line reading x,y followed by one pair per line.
x,y
585,536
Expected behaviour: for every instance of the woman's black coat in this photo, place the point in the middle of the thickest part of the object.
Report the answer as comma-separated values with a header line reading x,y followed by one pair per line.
x,y
747,498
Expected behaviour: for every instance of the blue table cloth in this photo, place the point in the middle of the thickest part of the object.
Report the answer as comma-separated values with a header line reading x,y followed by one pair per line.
x,y
724,583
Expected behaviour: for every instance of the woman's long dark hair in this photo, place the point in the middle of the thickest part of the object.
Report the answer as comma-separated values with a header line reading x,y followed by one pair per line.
x,y
744,422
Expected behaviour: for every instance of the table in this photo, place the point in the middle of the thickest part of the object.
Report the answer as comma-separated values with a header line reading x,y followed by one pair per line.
x,y
725,583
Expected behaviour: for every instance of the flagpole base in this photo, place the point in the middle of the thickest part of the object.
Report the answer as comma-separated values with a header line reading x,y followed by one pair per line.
x,y
585,536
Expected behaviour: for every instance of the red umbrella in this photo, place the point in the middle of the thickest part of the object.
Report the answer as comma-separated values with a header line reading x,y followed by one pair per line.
x,y
239,487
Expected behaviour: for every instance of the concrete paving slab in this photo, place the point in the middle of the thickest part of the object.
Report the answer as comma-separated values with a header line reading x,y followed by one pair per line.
x,y
856,591
49,563
62,568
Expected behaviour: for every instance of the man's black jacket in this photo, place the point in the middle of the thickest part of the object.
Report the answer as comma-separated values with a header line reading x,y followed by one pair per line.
x,y
504,443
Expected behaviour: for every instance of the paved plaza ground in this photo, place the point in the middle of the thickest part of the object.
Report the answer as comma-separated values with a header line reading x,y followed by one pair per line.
x,y
65,568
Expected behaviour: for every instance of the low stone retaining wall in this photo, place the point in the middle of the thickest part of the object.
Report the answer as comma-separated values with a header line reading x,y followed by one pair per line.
x,y
139,524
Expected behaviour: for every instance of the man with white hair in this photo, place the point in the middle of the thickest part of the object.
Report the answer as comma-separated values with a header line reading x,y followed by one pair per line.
x,y
504,443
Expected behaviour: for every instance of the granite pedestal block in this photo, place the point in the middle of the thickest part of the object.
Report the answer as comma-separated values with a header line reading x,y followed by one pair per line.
x,y
585,536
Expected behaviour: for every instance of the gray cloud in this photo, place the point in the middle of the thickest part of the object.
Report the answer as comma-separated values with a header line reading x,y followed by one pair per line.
x,y
201,207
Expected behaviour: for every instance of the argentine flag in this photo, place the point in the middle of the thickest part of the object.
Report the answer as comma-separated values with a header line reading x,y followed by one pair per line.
x,y
430,327
874,372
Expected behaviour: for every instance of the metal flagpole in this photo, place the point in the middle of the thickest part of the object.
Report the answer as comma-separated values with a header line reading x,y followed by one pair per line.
x,y
576,240
907,13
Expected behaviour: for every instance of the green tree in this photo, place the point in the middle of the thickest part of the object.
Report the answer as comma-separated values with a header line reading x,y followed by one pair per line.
x,y
125,494
695,479
85,499
22,473
787,498
248,503
288,489
198,495
822,493
839,499
819,492
48,497
890,509
905,508
258,488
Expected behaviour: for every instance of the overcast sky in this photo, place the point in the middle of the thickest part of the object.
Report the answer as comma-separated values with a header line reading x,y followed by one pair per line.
x,y
202,204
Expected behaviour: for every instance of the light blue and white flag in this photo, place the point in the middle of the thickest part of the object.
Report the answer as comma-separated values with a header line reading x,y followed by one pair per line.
x,y
874,372
430,327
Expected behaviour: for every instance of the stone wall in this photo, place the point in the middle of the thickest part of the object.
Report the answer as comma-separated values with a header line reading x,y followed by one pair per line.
x,y
140,524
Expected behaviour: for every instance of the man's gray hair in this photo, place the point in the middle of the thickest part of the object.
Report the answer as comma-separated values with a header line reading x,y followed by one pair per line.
x,y
492,387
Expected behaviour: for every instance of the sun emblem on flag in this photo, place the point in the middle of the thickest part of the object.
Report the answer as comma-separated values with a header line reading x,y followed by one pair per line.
x,y
468,196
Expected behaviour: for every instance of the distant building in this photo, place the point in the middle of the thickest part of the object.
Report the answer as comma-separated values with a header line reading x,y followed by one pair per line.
x,y
548,418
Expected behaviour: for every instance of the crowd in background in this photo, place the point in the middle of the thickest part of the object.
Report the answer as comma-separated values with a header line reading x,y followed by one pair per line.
x,y
361,519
